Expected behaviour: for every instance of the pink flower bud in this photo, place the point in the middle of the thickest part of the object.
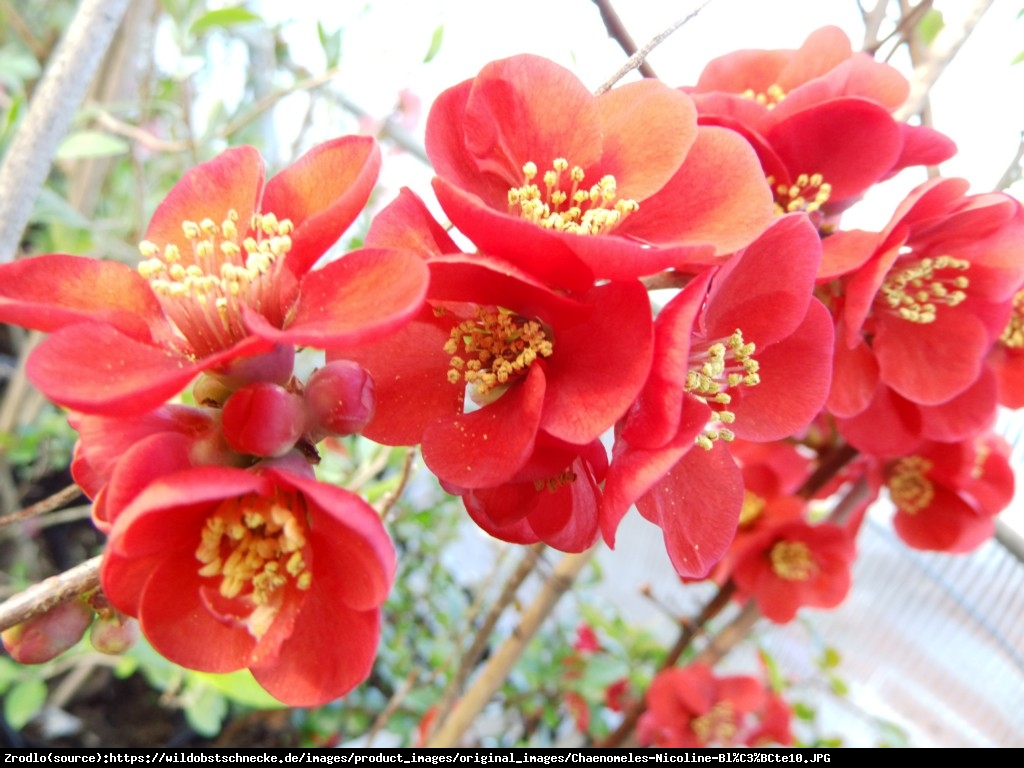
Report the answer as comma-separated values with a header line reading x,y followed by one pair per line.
x,y
114,634
48,635
263,419
274,366
339,399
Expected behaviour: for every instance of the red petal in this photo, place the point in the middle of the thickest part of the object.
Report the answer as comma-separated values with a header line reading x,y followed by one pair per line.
x,y
231,181
648,129
902,426
795,376
966,415
697,505
854,378
322,193
407,224
358,298
488,446
947,524
717,197
51,291
591,385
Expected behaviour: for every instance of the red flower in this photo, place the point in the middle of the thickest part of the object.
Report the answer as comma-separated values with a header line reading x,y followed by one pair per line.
x,y
948,494
818,118
690,707
1007,357
793,565
528,160
226,276
268,570
737,353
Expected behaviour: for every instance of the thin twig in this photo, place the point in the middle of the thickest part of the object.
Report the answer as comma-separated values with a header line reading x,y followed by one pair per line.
x,y
946,46
388,500
637,58
617,31
1012,173
56,501
476,650
28,158
500,664
49,593
392,706
903,30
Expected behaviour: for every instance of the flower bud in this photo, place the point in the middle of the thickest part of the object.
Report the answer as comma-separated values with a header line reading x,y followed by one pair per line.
x,y
114,633
263,419
339,399
48,635
274,366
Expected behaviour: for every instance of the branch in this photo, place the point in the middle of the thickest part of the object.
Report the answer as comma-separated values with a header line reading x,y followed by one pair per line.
x,y
56,501
637,58
499,665
946,46
49,593
1012,173
28,159
617,31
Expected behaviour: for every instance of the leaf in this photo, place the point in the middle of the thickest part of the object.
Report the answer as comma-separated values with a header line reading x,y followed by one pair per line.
x,y
330,42
830,659
82,144
803,711
241,687
223,18
1017,59
23,702
205,709
930,25
435,43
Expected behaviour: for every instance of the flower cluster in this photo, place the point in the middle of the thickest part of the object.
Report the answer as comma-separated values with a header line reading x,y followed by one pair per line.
x,y
543,385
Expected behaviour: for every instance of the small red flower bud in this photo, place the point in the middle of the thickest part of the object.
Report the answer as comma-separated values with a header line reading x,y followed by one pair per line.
x,y
339,399
114,634
48,635
263,419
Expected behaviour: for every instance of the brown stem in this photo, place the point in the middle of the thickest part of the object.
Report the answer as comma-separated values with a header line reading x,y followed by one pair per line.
x,y
49,593
50,503
617,31
829,465
389,500
480,639
28,158
637,58
500,664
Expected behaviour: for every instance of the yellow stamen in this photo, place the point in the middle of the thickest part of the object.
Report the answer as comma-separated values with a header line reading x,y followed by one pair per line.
x,y
1013,334
915,291
808,193
791,560
717,725
770,97
909,488
722,365
574,209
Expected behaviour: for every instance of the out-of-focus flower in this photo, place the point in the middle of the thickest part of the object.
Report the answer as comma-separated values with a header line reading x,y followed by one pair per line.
x,y
263,569
793,565
226,285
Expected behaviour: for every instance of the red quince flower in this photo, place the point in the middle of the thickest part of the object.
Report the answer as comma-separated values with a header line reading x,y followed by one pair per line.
x,y
528,160
265,570
226,285
738,353
691,707
792,565
947,495
1007,357
818,118
933,291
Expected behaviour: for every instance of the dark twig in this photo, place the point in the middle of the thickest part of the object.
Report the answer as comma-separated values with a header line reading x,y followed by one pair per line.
x,y
617,31
49,593
56,501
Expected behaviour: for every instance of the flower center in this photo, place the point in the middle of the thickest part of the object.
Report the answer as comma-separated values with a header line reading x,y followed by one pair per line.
x,y
753,508
566,206
256,545
1013,335
553,483
203,292
717,725
808,193
715,368
494,349
792,561
914,292
769,98
909,489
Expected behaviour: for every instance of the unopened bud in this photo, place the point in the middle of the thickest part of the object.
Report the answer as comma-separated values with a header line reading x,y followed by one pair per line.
x,y
114,634
274,366
48,635
263,419
339,399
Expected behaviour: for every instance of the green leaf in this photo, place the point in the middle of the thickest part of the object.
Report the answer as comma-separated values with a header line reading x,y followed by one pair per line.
x,y
205,709
1018,58
803,711
23,702
930,25
83,144
435,43
240,686
223,18
330,42
830,659
839,688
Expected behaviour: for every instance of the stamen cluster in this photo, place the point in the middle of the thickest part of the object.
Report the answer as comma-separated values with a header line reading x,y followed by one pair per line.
x,y
914,292
724,365
580,211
